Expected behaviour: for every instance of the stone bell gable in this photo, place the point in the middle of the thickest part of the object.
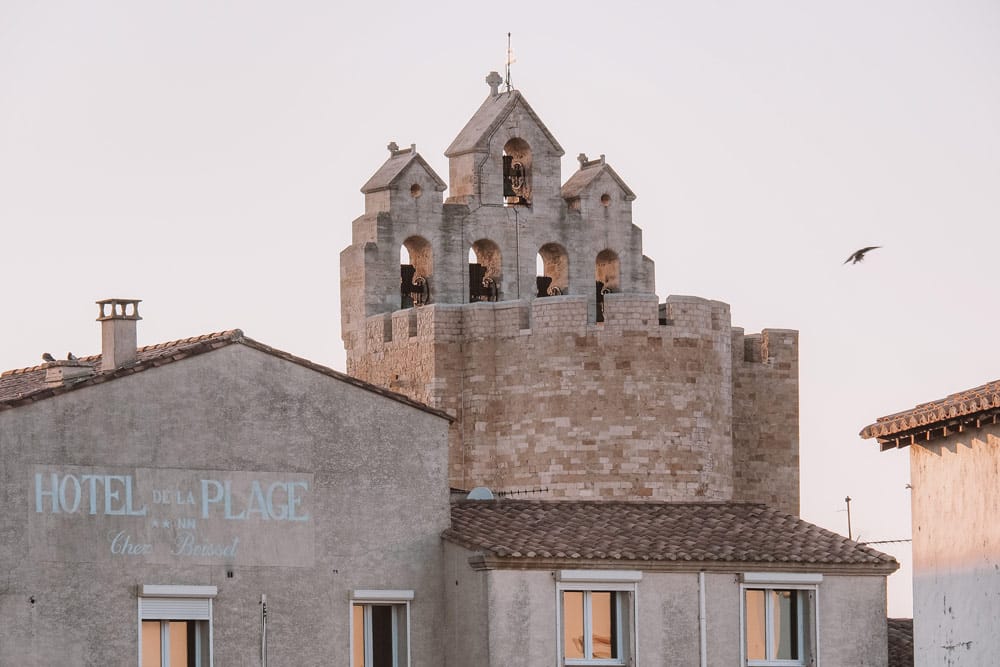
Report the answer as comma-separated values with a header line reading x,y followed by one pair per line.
x,y
505,154
525,308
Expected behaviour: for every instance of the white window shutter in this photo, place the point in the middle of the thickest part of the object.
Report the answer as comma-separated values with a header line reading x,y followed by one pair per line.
x,y
175,609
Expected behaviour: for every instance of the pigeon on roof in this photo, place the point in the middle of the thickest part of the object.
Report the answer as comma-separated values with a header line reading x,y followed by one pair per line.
x,y
47,357
859,255
70,356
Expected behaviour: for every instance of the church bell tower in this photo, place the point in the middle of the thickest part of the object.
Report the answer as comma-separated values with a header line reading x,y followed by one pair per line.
x,y
524,307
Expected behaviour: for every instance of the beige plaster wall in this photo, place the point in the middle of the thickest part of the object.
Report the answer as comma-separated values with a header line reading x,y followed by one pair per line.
x,y
852,622
509,617
956,548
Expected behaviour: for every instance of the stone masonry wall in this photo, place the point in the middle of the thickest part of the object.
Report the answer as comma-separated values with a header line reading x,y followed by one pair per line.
x,y
766,418
628,408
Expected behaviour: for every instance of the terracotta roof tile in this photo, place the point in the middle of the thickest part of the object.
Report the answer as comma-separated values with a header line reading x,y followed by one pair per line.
x,y
961,408
900,642
27,385
642,531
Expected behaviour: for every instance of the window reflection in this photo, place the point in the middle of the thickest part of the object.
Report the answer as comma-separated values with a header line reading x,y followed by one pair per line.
x,y
755,630
573,624
785,642
359,636
604,625
181,648
151,644
776,625
593,623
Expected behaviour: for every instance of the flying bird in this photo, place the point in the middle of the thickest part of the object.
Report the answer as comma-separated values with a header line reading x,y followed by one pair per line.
x,y
47,357
859,255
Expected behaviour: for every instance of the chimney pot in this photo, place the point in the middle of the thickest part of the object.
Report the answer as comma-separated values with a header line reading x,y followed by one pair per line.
x,y
118,336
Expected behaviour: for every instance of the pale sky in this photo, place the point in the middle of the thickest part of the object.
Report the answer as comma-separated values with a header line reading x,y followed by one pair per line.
x,y
206,157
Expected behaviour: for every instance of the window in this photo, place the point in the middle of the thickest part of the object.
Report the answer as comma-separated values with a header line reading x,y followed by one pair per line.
x,y
175,626
174,644
380,630
779,619
596,609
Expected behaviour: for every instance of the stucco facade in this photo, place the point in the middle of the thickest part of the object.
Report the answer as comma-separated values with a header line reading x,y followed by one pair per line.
x,y
509,617
234,469
956,549
954,450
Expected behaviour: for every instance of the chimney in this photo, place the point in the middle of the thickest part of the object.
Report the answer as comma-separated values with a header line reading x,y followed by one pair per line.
x,y
118,343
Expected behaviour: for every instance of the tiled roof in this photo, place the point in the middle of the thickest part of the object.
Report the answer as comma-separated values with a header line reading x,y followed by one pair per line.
x,y
955,412
27,385
586,175
900,642
397,163
476,133
644,533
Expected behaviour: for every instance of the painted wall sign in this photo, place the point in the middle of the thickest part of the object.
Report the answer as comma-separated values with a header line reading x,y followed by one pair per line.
x,y
163,515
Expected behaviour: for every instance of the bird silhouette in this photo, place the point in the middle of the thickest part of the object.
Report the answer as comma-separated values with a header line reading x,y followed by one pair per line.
x,y
71,357
47,357
859,255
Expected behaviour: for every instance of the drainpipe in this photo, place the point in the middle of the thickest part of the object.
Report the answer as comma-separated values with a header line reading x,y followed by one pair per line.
x,y
702,621
263,630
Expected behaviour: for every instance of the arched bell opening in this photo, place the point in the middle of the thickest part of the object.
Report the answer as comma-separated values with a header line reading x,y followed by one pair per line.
x,y
484,271
416,266
607,278
517,173
552,270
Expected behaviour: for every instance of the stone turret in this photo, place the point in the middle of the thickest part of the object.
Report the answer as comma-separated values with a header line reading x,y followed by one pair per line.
x,y
525,308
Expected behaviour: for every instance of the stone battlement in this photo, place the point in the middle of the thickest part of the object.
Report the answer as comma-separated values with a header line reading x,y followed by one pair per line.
x,y
685,320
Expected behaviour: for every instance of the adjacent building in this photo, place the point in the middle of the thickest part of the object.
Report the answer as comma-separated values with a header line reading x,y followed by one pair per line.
x,y
213,500
543,582
954,448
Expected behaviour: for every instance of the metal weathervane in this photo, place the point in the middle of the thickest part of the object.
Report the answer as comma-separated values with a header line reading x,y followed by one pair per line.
x,y
510,59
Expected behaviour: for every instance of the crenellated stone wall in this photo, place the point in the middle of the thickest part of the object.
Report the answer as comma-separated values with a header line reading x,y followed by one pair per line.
x,y
631,407
766,418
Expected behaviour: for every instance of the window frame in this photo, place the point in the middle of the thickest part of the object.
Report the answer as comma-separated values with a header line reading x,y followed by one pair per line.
x,y
166,603
808,630
589,581
368,598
